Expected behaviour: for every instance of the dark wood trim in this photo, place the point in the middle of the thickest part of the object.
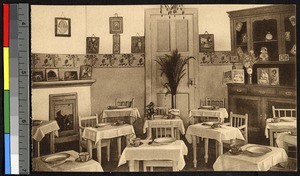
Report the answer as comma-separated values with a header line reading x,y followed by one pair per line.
x,y
52,84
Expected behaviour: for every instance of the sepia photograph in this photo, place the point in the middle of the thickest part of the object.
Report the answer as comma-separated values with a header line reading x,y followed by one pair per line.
x,y
172,88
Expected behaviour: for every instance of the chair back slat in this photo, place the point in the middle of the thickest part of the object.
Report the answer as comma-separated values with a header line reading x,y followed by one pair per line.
x,y
161,130
241,122
215,102
277,112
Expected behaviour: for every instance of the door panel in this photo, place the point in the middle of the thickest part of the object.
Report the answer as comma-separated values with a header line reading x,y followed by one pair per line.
x,y
181,28
163,35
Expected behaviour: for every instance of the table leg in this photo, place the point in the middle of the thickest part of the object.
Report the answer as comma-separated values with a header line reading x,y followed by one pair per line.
x,y
131,165
175,166
178,134
220,146
52,146
127,139
217,149
89,147
99,151
119,146
194,150
136,166
206,149
271,136
38,148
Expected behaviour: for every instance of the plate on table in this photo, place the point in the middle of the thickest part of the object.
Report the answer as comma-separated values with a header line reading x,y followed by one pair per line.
x,y
287,119
255,151
36,122
164,140
55,158
103,124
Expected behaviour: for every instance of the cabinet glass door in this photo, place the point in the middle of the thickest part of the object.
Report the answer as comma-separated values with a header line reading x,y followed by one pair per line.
x,y
265,31
289,34
241,34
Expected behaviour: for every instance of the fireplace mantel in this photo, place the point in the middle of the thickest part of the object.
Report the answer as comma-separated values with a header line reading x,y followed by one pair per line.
x,y
62,83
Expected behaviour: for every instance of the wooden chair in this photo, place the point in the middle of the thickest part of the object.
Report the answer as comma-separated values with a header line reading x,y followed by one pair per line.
x,y
215,102
128,103
278,113
240,122
156,131
91,121
160,111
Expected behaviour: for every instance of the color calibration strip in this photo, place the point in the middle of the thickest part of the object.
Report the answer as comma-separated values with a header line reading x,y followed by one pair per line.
x,y
7,165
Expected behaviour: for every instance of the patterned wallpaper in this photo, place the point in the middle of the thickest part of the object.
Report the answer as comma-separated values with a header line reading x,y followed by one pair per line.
x,y
42,61
214,58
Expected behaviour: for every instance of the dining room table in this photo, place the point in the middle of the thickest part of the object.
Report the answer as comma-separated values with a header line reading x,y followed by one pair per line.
x,y
71,164
281,126
40,130
132,113
286,139
248,162
177,123
94,135
220,113
204,130
149,151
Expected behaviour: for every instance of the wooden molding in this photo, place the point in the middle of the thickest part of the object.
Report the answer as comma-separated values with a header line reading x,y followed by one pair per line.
x,y
56,84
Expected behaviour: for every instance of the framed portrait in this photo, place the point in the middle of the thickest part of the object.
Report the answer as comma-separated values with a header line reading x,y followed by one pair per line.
x,y
85,72
274,76
263,76
284,57
92,45
38,75
238,76
206,43
115,25
137,44
71,75
116,44
62,27
52,74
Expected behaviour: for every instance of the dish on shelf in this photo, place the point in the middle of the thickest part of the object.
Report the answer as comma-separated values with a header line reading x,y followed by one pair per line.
x,y
164,140
55,158
287,119
255,151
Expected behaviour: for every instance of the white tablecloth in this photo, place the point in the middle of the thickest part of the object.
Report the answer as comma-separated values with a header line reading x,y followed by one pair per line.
x,y
177,123
242,162
126,112
69,166
278,126
285,139
107,132
174,152
220,113
219,134
39,132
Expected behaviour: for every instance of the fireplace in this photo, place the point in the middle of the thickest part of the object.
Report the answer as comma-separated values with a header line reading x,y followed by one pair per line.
x,y
63,108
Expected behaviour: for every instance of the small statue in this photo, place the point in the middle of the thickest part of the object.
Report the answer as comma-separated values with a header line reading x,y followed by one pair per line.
x,y
264,54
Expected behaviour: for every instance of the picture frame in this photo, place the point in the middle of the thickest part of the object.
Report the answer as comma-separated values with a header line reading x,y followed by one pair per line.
x,y
263,76
206,43
38,75
115,25
62,27
238,76
274,76
227,77
70,75
284,57
85,72
137,44
52,74
116,44
92,45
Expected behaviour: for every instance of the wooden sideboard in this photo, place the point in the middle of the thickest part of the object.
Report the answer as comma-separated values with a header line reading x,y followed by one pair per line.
x,y
257,101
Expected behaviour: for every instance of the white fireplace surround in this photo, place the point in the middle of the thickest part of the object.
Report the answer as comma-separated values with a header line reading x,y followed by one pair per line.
x,y
40,97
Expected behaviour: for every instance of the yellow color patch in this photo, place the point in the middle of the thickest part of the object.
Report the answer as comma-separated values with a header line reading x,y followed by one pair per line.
x,y
6,67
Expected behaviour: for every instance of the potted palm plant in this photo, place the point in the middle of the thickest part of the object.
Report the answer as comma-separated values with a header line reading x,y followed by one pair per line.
x,y
172,66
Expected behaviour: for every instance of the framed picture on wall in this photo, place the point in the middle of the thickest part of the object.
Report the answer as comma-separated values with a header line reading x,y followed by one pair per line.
x,y
116,44
52,74
92,45
263,76
274,76
137,44
85,72
71,75
115,25
206,43
238,76
62,27
38,75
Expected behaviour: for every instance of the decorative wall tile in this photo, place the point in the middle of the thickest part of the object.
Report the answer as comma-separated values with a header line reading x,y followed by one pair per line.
x,y
213,58
69,61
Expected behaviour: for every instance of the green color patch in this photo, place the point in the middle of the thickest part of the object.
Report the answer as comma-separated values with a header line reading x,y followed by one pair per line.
x,y
6,111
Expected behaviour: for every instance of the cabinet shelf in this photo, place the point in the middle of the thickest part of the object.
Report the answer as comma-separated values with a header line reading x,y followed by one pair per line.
x,y
275,62
265,41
